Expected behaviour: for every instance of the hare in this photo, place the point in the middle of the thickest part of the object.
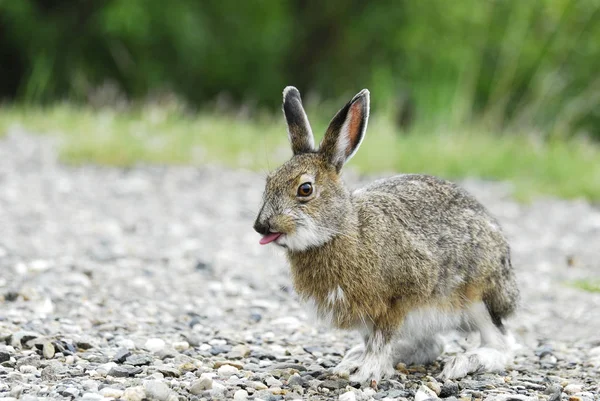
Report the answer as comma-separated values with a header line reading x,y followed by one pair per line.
x,y
401,260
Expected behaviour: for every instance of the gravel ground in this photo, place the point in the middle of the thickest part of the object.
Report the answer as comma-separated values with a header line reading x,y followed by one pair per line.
x,y
149,283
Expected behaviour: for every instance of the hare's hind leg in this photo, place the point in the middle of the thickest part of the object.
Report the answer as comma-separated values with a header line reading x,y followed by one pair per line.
x,y
494,353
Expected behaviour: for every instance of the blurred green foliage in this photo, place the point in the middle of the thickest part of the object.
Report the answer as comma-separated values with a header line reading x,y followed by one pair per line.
x,y
509,63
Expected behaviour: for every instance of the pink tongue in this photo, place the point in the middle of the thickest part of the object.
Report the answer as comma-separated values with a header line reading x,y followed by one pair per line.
x,y
270,237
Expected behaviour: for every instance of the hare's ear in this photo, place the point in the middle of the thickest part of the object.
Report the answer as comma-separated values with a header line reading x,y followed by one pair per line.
x,y
299,131
346,130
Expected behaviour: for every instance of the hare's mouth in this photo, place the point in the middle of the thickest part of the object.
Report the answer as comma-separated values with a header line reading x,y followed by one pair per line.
x,y
270,237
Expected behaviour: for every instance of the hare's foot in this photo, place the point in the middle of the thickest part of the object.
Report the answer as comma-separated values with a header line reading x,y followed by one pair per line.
x,y
351,361
483,359
377,361
418,352
496,349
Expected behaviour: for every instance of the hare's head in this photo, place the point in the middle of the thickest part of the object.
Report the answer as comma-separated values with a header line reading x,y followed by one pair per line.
x,y
305,202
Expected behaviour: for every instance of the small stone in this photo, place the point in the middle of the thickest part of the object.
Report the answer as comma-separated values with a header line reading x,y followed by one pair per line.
x,y
218,390
124,371
573,388
296,380
425,393
139,360
48,350
449,389
238,352
105,368
126,343
240,395
134,394
169,371
203,383
181,345
121,355
257,385
4,356
70,392
111,392
27,369
435,386
154,344
91,397
227,370
334,384
157,390
277,391
218,364
348,396
273,382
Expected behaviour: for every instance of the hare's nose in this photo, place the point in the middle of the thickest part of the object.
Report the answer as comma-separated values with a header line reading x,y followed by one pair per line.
x,y
261,228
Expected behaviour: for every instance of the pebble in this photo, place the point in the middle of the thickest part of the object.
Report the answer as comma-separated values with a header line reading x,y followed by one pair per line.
x,y
48,350
124,371
238,352
136,393
200,385
573,388
154,344
240,395
27,369
273,382
348,396
157,390
111,392
91,397
425,393
181,345
139,360
121,355
449,388
227,370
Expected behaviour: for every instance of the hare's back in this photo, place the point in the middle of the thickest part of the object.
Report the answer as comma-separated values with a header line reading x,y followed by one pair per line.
x,y
428,207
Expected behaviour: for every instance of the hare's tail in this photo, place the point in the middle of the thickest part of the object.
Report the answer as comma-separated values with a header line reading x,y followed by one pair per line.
x,y
501,299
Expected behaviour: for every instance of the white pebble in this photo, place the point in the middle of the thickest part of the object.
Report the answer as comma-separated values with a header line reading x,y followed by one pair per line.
x,y
273,382
227,370
573,388
111,392
349,396
181,345
27,369
154,344
240,395
91,397
134,394
425,393
203,383
157,390
126,343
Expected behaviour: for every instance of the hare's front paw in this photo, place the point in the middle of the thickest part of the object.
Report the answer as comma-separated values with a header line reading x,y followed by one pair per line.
x,y
372,368
373,373
351,361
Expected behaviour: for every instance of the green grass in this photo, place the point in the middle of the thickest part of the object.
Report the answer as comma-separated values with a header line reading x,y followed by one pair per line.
x,y
152,134
588,285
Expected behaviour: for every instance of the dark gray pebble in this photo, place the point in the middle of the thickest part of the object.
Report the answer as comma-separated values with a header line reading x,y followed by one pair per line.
x,y
449,389
124,371
121,355
139,360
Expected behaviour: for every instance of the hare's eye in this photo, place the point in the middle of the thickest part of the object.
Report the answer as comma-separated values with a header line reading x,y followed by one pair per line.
x,y
305,189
